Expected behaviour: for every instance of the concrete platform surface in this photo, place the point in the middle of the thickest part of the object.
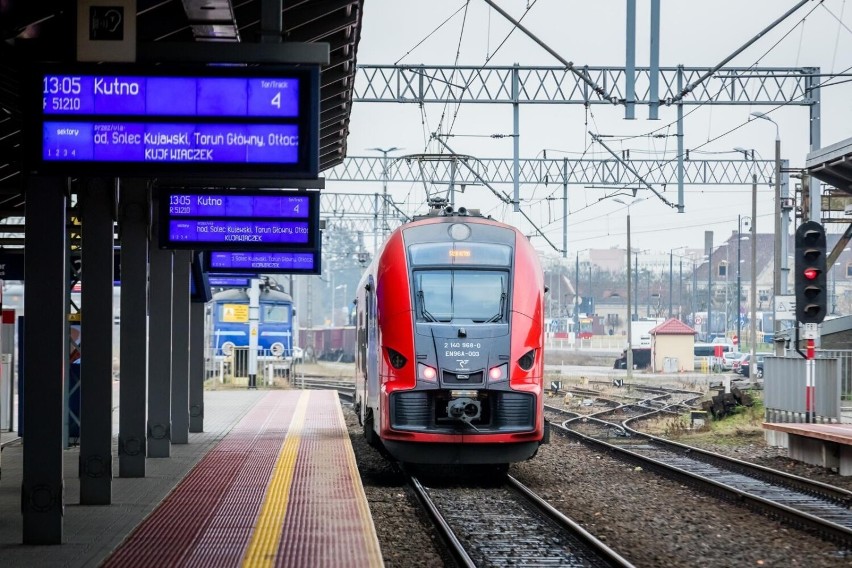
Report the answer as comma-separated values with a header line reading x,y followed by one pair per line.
x,y
90,533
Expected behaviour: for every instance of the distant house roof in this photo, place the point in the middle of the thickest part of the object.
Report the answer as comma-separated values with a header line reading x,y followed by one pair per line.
x,y
672,326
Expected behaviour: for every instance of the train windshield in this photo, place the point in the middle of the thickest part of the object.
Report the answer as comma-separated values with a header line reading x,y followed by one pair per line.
x,y
451,295
276,313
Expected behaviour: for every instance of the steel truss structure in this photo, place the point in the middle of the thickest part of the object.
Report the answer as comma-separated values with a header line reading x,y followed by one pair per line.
x,y
557,85
652,86
414,168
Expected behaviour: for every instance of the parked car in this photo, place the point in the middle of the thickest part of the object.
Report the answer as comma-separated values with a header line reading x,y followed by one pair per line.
x,y
728,359
735,364
745,366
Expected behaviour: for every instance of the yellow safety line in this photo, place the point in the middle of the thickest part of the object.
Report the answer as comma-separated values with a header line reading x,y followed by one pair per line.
x,y
371,539
267,534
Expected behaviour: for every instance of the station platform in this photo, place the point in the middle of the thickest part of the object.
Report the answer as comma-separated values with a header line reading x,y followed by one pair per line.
x,y
826,445
272,481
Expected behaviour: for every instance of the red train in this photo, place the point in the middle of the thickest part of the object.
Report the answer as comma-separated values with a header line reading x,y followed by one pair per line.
x,y
450,331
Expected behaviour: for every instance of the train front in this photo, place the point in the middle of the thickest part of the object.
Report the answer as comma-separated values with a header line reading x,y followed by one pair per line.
x,y
462,379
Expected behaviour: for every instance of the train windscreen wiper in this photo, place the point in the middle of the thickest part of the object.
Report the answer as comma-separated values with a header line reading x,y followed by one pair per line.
x,y
499,314
426,315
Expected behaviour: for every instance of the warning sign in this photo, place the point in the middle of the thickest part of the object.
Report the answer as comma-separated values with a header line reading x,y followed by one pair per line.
x,y
785,308
235,313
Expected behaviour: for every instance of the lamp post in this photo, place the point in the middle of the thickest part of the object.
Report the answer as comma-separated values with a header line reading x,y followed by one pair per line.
x,y
740,239
577,287
635,285
671,278
384,152
629,323
777,262
753,299
752,303
727,285
709,291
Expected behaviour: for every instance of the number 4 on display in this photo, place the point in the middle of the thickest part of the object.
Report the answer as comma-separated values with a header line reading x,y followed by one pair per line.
x,y
276,100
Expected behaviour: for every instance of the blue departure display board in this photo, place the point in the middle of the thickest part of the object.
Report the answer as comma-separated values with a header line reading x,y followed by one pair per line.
x,y
241,204
229,281
233,231
249,121
264,223
157,96
170,142
265,262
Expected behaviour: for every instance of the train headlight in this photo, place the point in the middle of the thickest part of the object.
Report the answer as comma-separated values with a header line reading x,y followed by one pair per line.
x,y
228,348
527,359
499,373
396,359
459,231
426,373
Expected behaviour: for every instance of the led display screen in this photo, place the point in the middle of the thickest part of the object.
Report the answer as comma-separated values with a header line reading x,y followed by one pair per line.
x,y
156,96
455,253
251,121
170,142
291,204
225,281
264,262
232,231
224,220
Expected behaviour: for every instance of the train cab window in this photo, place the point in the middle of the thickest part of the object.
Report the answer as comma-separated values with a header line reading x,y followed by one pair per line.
x,y
276,313
451,295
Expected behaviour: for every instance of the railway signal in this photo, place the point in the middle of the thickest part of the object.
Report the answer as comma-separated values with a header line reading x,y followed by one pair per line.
x,y
811,289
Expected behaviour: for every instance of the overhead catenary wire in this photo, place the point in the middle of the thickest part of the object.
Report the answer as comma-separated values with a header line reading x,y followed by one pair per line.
x,y
689,88
502,196
697,107
832,80
568,64
433,32
756,62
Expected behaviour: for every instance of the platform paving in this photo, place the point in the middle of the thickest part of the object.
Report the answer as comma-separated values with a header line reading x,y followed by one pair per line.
x,y
90,533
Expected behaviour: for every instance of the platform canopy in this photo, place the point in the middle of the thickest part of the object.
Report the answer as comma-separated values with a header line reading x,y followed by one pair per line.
x,y
833,165
48,27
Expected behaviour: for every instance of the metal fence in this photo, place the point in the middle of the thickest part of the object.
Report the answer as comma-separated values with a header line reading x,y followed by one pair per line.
x,y
785,394
596,342
844,356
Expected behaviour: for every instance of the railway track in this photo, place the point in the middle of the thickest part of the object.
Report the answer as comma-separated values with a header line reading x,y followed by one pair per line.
x,y
508,525
803,503
345,388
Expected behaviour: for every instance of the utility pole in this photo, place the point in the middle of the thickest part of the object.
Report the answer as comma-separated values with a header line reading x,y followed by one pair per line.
x,y
384,152
576,294
671,281
739,279
636,286
630,320
753,291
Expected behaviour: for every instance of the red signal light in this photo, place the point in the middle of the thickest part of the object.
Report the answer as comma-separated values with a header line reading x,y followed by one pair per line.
x,y
811,273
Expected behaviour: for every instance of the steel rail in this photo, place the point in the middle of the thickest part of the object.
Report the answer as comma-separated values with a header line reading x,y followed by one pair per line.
x,y
588,539
451,542
828,528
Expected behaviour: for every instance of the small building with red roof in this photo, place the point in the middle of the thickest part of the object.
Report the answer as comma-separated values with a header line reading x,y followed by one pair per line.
x,y
672,347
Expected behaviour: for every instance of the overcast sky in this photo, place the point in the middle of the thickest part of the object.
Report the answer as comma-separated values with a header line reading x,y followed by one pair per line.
x,y
693,33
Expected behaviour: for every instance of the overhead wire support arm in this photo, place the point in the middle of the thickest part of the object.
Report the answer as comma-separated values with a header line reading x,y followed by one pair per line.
x,y
691,87
568,64
502,196
630,168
